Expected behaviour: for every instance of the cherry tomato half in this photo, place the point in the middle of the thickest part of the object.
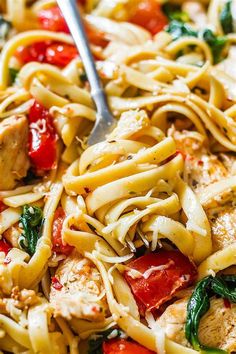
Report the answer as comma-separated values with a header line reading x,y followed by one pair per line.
x,y
42,138
171,271
57,244
148,14
122,346
5,246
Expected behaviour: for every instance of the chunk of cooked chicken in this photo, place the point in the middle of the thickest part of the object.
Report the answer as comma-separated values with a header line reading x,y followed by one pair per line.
x,y
217,327
14,161
12,235
82,293
201,167
223,221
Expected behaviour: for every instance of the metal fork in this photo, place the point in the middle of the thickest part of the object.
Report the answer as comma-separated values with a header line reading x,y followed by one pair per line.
x,y
105,122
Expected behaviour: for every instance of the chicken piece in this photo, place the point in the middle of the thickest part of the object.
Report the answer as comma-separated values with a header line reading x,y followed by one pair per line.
x,y
217,327
130,122
12,235
201,167
24,298
81,287
173,321
14,161
229,161
223,221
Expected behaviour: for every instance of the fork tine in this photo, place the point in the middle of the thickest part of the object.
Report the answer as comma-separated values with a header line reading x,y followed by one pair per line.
x,y
102,127
104,120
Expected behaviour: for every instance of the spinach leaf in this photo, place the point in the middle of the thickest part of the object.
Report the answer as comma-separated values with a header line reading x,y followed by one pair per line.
x,y
216,43
221,287
226,18
199,304
179,29
95,344
31,220
13,74
5,27
173,12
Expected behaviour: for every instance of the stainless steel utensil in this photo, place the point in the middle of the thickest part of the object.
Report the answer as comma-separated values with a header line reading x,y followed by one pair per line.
x,y
105,122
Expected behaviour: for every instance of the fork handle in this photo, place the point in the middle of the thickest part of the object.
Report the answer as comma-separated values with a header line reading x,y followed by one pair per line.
x,y
76,27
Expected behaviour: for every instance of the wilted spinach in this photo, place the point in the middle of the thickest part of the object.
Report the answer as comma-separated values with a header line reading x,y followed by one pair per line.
x,y
179,29
174,12
95,345
31,220
199,304
226,18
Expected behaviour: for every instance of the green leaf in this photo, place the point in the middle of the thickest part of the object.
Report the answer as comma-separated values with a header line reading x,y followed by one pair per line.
x,y
226,18
95,345
199,303
179,29
13,74
216,43
225,287
173,12
31,220
5,27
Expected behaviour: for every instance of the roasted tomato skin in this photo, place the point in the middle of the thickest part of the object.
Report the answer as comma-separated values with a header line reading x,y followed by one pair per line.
x,y
122,346
175,272
42,139
149,15
54,53
5,246
60,54
57,244
2,206
51,19
33,52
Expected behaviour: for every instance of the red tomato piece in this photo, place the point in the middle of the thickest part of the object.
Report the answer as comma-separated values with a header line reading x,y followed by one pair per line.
x,y
57,244
60,54
42,138
122,346
5,246
51,19
158,286
33,52
148,14
56,284
2,206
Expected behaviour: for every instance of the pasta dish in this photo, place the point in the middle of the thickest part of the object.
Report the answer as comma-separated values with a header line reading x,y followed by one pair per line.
x,y
129,245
